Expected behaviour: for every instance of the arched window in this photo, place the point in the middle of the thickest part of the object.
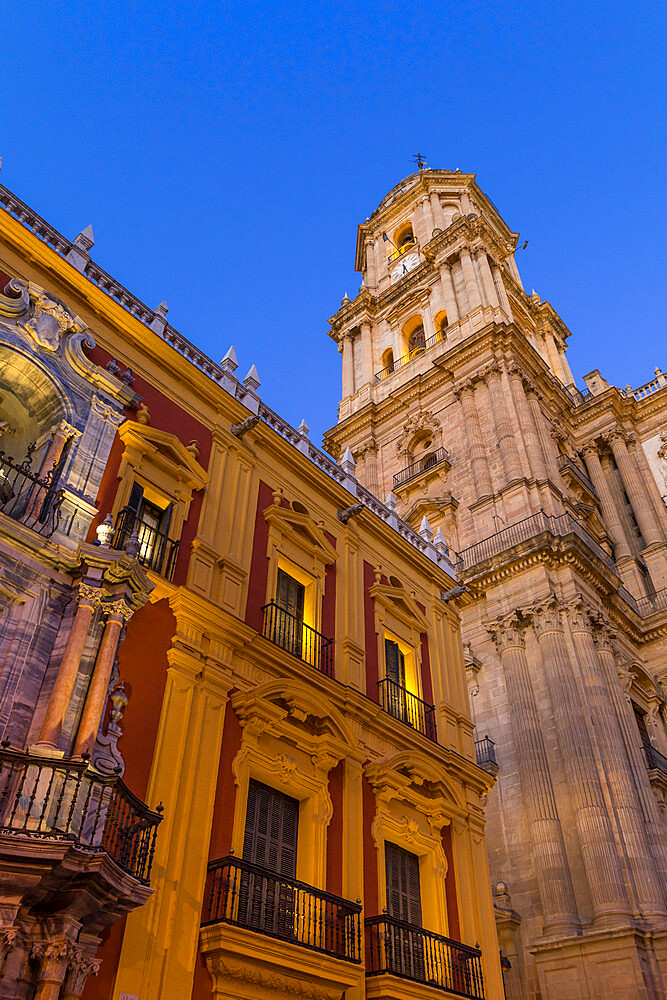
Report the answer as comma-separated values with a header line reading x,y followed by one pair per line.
x,y
441,322
404,238
429,460
416,340
387,362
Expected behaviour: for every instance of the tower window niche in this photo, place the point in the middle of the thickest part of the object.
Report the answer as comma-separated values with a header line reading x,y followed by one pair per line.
x,y
441,323
414,337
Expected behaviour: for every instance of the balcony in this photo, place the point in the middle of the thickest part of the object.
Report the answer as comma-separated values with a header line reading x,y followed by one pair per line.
x,y
156,550
523,531
402,251
289,632
27,497
652,604
408,708
570,469
655,761
485,753
430,461
259,900
43,799
399,949
407,358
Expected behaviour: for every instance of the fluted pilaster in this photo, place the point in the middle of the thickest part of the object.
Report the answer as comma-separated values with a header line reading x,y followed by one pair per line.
x,y
634,487
475,440
596,837
536,461
616,766
610,511
505,432
548,849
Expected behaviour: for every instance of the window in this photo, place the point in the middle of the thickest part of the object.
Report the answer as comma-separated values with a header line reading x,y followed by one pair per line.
x,y
290,595
405,944
388,362
151,520
417,341
266,898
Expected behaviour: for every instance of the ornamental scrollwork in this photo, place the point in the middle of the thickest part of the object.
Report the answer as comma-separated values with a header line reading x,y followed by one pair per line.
x,y
546,617
507,633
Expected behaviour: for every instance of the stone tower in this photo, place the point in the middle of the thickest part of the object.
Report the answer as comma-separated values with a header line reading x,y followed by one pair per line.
x,y
458,399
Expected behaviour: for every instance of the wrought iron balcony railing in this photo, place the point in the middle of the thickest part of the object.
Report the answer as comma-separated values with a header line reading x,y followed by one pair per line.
x,y
407,358
566,463
246,895
655,761
410,952
558,525
299,639
67,800
402,251
407,707
156,550
485,753
27,497
423,465
652,603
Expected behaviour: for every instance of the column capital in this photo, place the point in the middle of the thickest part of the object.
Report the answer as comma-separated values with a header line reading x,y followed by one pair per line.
x,y
590,450
507,633
90,596
545,617
580,614
118,611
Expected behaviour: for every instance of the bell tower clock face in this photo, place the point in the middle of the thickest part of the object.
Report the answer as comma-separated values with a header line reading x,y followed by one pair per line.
x,y
405,264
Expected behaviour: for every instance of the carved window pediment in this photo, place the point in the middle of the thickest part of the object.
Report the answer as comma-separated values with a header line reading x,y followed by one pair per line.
x,y
302,530
399,603
150,446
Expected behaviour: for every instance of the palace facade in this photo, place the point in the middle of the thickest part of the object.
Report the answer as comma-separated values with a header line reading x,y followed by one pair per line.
x,y
458,405
237,752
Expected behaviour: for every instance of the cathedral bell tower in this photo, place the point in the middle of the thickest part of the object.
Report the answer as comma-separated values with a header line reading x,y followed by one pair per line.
x,y
458,401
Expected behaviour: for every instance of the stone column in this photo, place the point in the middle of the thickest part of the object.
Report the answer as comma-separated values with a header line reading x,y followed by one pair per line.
x,y
119,613
596,837
501,290
475,439
348,365
487,279
470,278
366,351
551,866
616,766
634,487
78,971
438,214
543,433
552,355
449,294
506,441
371,270
49,463
536,461
52,957
618,681
609,509
89,598
647,480
423,221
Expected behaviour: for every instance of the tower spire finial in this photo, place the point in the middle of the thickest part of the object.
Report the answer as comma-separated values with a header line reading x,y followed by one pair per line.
x,y
420,160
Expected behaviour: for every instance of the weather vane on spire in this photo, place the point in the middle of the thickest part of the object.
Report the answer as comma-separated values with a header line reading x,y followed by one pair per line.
x,y
418,158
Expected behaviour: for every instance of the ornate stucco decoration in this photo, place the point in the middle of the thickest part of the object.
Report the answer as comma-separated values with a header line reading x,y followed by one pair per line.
x,y
50,320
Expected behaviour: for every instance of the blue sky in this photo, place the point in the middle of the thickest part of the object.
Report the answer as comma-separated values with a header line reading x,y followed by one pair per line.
x,y
224,154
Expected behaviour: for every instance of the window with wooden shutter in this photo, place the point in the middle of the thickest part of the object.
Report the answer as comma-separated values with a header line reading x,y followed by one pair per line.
x,y
266,898
395,694
290,596
405,940
403,892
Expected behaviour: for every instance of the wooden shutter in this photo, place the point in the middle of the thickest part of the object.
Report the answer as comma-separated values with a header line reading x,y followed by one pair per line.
x,y
272,821
394,662
290,595
642,727
136,499
402,878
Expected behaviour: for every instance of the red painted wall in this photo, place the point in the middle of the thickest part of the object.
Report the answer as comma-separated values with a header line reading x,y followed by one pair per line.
x,y
168,416
259,564
427,684
335,832
370,636
329,595
142,660
450,886
371,893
